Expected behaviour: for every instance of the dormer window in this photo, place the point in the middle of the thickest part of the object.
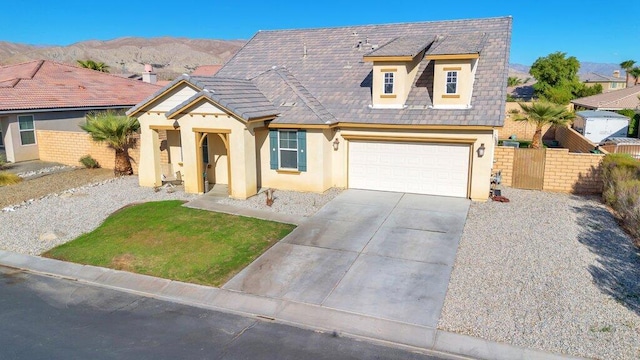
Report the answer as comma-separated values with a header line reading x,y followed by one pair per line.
x,y
388,83
452,82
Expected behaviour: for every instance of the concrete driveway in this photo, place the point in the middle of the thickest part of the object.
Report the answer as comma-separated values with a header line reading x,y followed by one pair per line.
x,y
380,254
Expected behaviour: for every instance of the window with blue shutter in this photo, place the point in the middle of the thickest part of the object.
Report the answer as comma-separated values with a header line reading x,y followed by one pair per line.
x,y
273,149
302,150
288,149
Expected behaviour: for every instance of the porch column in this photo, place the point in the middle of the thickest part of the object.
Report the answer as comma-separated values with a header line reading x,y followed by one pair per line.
x,y
243,164
149,173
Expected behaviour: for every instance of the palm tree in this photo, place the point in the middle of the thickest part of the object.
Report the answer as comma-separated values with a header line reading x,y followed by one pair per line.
x,y
635,72
627,66
116,131
513,81
93,65
541,114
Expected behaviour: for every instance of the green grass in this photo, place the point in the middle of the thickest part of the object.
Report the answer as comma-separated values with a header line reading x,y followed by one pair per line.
x,y
7,178
167,240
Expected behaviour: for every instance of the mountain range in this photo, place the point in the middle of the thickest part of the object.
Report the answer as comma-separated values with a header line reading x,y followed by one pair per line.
x,y
169,56
172,56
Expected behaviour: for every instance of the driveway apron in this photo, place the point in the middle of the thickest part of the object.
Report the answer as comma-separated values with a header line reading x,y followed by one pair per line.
x,y
381,254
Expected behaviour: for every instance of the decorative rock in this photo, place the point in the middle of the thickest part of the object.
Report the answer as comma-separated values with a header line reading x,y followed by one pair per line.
x,y
48,236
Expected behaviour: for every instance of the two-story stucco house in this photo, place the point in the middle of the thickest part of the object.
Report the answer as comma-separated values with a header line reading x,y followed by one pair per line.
x,y
408,107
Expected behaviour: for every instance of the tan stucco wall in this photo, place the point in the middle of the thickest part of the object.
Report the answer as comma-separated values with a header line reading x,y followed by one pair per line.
x,y
404,75
464,87
318,176
242,149
607,86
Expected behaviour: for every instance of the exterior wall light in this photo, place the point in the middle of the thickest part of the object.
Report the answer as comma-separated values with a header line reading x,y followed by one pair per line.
x,y
176,125
336,144
481,150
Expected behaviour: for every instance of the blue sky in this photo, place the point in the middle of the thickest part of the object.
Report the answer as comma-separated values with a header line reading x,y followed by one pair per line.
x,y
592,31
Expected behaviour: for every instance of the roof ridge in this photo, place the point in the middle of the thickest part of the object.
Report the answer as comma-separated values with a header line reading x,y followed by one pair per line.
x,y
19,64
381,25
298,89
101,72
36,69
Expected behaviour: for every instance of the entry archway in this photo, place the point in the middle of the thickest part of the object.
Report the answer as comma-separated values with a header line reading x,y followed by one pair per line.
x,y
201,135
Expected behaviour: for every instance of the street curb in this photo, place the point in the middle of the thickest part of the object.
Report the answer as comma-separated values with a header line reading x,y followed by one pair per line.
x,y
283,311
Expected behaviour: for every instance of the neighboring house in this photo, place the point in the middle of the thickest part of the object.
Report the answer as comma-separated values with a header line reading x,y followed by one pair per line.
x,y
609,83
206,70
615,100
39,98
404,107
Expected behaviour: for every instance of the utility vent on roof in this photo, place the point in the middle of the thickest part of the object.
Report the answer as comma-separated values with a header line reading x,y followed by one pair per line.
x,y
288,104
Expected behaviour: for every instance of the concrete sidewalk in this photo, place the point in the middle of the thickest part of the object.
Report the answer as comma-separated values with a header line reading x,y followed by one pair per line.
x,y
279,310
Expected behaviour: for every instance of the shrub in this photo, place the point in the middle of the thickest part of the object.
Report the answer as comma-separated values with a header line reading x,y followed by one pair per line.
x,y
621,177
7,178
89,162
3,162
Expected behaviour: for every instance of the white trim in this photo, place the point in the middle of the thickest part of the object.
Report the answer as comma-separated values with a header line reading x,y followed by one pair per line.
x,y
384,83
388,106
446,82
451,106
280,149
20,131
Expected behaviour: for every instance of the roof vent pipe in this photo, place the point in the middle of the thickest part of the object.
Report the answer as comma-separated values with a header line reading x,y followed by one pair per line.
x,y
304,50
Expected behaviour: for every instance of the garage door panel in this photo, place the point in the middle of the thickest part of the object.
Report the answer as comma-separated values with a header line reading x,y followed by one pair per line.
x,y
435,169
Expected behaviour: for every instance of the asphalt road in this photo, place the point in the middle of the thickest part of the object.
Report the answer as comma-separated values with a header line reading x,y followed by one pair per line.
x,y
49,318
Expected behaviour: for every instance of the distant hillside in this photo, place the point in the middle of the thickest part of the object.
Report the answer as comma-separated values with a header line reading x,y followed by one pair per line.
x,y
169,56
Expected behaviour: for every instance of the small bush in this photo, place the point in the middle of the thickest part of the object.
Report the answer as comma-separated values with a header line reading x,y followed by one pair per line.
x,y
3,162
7,178
89,162
621,177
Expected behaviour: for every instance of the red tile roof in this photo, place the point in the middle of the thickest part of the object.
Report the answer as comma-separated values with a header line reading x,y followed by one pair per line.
x,y
206,70
44,84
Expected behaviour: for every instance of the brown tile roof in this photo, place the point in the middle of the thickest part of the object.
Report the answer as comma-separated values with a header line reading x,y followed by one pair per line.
x,y
46,84
206,70
613,100
334,74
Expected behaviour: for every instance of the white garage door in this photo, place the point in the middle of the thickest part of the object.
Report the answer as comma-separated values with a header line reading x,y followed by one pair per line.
x,y
434,169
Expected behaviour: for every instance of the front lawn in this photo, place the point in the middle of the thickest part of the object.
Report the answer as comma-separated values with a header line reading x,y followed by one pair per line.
x,y
167,240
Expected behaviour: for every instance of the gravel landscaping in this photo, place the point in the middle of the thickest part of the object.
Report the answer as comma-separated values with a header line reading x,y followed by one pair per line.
x,y
43,183
287,202
547,271
44,216
39,225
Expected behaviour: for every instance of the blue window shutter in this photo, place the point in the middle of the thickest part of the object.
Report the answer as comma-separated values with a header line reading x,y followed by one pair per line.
x,y
273,148
302,150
